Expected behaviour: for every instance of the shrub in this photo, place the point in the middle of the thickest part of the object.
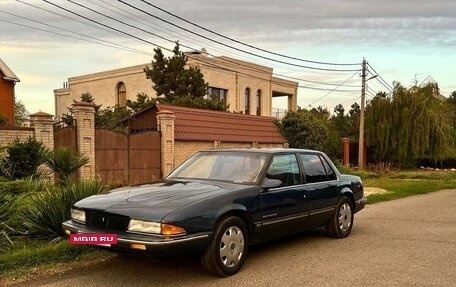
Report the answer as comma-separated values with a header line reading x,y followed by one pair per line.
x,y
22,158
18,193
16,187
47,210
65,162
22,186
5,208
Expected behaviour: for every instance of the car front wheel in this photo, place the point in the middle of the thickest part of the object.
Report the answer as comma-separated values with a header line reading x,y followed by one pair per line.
x,y
228,248
342,221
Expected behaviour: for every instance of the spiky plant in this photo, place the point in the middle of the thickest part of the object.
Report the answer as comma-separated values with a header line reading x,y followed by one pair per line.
x,y
5,207
47,210
65,162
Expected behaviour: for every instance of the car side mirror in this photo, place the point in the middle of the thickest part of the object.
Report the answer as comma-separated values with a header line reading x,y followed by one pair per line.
x,y
271,183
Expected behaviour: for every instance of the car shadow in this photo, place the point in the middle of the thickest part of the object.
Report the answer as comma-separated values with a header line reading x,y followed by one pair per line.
x,y
179,271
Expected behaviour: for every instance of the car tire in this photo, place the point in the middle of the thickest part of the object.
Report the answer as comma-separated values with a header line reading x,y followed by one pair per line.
x,y
342,220
227,249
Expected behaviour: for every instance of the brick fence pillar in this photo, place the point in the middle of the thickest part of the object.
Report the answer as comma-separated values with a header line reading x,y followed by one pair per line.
x,y
83,114
42,123
165,124
346,156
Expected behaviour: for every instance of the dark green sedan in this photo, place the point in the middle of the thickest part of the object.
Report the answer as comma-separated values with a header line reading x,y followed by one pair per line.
x,y
219,202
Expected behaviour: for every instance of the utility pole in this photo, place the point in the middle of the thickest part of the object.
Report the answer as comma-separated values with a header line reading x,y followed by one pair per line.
x,y
361,116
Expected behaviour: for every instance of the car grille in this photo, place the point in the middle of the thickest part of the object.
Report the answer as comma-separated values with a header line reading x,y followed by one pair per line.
x,y
107,220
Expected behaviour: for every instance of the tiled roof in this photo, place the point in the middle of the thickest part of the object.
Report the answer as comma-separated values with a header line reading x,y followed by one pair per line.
x,y
207,125
7,73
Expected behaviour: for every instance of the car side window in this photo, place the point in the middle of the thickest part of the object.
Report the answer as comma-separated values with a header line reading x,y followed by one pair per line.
x,y
313,168
329,170
285,168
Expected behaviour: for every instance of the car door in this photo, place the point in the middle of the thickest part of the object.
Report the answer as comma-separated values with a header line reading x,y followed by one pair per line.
x,y
283,209
322,186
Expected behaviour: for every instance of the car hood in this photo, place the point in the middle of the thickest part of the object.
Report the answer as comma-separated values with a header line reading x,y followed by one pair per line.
x,y
152,201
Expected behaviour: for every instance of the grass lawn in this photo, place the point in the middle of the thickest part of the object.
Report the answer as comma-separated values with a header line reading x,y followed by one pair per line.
x,y
405,183
398,188
27,254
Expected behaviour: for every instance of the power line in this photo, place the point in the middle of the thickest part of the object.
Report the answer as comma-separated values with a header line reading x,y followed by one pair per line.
x,y
133,19
174,33
133,49
102,42
377,87
191,48
324,96
188,47
166,39
384,82
371,93
67,17
240,42
164,48
144,20
388,88
346,102
226,45
69,36
315,82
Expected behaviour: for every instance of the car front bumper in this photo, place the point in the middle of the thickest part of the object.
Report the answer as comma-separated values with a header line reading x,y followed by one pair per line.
x,y
360,204
154,245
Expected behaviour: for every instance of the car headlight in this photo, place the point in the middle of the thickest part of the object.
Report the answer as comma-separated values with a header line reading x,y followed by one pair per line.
x,y
78,215
142,226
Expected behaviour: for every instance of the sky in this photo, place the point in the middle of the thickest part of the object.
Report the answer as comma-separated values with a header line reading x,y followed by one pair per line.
x,y
403,41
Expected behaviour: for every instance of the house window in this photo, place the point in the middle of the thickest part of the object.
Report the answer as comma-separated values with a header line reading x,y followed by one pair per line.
x,y
258,103
121,91
217,93
247,101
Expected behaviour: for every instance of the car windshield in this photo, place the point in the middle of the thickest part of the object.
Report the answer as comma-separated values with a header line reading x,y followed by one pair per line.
x,y
237,167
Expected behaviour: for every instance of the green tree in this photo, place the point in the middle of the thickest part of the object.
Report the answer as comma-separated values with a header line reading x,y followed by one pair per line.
x,y
142,101
452,98
20,113
172,79
304,129
353,121
451,103
87,97
176,83
339,121
410,124
110,118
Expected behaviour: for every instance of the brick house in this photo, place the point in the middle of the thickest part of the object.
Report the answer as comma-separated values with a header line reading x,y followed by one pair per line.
x,y
248,88
8,81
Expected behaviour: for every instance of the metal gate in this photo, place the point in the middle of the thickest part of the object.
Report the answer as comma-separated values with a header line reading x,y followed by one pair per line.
x,y
127,159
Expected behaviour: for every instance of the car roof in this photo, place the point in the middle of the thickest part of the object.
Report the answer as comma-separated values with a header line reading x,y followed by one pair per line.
x,y
262,150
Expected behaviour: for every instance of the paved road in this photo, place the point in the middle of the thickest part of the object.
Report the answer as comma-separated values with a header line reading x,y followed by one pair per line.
x,y
406,242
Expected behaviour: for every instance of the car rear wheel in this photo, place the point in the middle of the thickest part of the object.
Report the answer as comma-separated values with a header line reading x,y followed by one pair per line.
x,y
342,221
228,248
